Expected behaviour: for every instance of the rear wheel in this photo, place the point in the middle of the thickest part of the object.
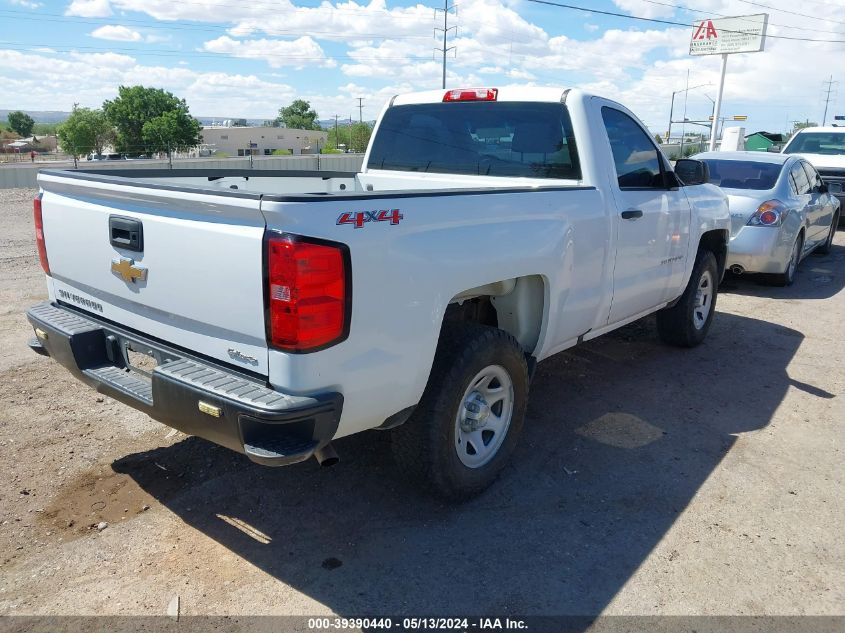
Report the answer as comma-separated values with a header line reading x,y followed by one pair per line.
x,y
471,413
686,323
787,277
824,249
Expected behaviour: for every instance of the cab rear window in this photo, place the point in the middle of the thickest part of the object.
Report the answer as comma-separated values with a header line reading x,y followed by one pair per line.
x,y
532,140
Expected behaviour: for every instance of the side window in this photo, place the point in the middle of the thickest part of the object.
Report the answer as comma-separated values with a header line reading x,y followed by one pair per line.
x,y
792,184
802,183
636,158
812,176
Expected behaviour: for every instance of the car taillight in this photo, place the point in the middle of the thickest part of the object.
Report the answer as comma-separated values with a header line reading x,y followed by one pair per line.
x,y
39,234
308,293
472,94
770,213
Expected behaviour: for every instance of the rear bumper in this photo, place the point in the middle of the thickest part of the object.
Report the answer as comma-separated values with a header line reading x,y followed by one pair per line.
x,y
760,249
193,395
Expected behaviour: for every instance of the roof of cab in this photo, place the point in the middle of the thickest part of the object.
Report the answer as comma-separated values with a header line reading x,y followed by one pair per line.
x,y
543,95
757,157
826,128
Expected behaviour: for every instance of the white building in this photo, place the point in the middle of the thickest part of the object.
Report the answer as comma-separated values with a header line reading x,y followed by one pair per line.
x,y
262,141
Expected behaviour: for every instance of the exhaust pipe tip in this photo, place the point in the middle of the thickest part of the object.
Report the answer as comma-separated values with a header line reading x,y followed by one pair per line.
x,y
326,456
736,269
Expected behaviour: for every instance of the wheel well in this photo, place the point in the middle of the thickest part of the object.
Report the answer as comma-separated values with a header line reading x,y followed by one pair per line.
x,y
515,305
717,243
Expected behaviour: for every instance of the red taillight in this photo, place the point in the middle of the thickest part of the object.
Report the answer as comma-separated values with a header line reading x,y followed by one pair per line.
x,y
770,213
768,217
307,292
472,94
39,234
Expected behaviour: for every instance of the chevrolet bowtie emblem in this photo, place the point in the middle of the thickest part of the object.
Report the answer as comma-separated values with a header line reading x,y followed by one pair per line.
x,y
128,271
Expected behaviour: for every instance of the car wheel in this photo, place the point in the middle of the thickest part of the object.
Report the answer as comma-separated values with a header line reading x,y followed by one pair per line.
x,y
787,277
824,249
471,413
686,323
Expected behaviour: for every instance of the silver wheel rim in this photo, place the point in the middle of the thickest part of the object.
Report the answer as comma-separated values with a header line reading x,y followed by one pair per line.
x,y
793,262
703,300
484,416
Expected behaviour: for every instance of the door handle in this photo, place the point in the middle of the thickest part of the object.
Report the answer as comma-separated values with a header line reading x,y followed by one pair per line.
x,y
632,214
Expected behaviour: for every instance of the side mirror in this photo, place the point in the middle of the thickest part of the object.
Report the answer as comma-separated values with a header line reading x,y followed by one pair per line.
x,y
834,188
822,188
692,172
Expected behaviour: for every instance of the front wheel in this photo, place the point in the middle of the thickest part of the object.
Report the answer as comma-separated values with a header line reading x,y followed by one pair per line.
x,y
470,416
686,323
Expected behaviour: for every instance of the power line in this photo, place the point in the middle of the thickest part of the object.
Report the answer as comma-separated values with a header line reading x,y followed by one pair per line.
x,y
670,22
722,15
70,48
803,15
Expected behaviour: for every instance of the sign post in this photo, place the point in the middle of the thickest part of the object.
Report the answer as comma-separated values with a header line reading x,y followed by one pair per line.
x,y
726,36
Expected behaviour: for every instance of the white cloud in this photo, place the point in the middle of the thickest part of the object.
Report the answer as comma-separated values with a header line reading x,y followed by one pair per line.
x,y
27,4
89,8
643,9
116,33
299,53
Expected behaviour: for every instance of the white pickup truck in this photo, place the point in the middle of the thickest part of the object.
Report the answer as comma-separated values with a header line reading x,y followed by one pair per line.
x,y
272,311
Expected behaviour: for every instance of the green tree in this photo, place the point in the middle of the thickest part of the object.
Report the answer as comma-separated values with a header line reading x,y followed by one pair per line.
x,y
85,131
172,130
136,105
354,137
797,125
298,115
360,134
658,139
21,123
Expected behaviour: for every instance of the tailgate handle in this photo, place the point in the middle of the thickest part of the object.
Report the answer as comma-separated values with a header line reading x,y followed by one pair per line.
x,y
126,233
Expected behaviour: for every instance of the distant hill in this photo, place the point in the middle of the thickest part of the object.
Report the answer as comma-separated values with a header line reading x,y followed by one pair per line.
x,y
39,116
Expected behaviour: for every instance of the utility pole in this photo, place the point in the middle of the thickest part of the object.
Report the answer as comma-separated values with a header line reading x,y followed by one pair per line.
x,y
445,30
360,109
336,145
829,83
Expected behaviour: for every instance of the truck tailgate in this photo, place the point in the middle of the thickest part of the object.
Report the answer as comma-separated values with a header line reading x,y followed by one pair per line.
x,y
196,279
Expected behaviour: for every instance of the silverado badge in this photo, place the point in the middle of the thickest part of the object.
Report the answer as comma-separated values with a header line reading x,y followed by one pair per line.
x,y
128,271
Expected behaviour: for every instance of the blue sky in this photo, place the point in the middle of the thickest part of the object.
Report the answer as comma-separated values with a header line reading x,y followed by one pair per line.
x,y
248,58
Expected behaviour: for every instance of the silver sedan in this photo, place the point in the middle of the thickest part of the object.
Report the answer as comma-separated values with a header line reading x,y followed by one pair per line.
x,y
781,211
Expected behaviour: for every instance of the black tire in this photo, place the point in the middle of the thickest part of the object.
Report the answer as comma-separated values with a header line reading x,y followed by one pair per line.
x,y
425,447
682,324
824,249
787,277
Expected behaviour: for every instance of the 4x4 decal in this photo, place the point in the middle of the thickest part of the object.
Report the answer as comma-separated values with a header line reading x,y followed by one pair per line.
x,y
359,218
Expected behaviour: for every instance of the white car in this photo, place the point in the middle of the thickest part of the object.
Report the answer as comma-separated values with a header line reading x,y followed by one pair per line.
x,y
824,147
272,312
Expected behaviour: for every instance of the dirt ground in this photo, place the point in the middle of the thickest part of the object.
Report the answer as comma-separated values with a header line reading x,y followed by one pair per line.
x,y
649,480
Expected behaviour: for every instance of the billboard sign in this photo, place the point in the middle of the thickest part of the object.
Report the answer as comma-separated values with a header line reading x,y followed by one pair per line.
x,y
743,34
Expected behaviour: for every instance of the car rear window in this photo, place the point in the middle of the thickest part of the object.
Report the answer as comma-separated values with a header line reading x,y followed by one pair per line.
x,y
743,174
533,140
817,143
